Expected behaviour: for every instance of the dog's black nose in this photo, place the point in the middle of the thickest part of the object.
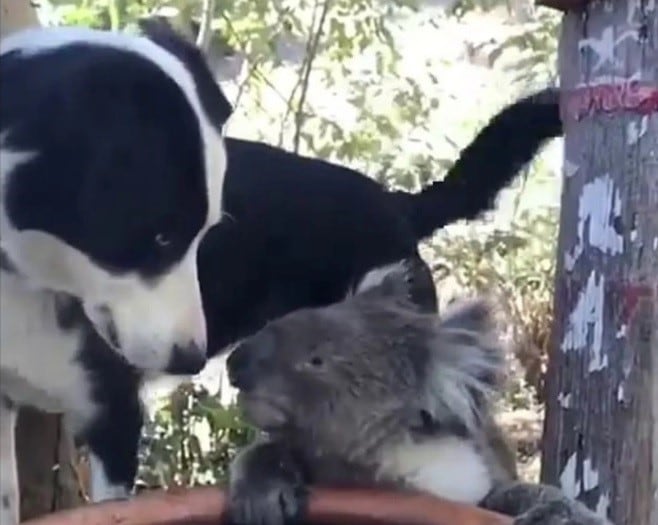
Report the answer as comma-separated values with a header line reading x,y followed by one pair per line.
x,y
186,360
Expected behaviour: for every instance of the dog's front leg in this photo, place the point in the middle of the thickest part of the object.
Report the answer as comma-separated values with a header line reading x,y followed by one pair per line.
x,y
10,501
113,440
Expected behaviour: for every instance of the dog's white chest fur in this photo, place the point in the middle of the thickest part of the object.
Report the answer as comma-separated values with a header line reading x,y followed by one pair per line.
x,y
449,467
38,366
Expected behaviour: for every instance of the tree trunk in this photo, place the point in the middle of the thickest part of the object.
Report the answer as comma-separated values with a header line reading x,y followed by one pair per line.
x,y
45,451
46,464
601,439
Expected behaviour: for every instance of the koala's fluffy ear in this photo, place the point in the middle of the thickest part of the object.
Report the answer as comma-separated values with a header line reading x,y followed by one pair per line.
x,y
468,363
468,328
409,280
472,315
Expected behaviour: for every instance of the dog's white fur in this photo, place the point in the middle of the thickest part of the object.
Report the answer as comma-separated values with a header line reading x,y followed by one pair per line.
x,y
39,366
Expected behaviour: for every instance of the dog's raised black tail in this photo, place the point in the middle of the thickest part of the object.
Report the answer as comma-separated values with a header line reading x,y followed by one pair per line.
x,y
489,163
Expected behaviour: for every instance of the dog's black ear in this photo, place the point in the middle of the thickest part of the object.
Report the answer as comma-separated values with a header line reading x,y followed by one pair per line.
x,y
159,31
409,280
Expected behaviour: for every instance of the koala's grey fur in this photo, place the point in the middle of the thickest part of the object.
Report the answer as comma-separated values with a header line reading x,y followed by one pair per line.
x,y
379,391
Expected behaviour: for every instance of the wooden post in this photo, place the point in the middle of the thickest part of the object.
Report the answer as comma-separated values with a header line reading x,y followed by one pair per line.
x,y
47,476
601,438
16,14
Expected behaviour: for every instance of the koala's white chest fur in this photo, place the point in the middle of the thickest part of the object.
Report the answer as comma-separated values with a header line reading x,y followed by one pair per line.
x,y
450,467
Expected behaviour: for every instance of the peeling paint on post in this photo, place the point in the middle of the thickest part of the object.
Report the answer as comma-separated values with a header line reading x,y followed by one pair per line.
x,y
601,439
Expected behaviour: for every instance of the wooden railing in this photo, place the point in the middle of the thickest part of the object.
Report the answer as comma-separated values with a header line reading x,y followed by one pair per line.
x,y
206,506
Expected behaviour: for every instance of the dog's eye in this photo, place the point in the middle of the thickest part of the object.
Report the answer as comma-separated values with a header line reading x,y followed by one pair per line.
x,y
162,240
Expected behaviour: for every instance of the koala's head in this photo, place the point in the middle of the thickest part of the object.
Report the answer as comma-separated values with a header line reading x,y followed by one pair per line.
x,y
373,366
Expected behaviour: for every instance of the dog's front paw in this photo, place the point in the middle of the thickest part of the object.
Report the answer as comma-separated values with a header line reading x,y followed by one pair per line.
x,y
267,489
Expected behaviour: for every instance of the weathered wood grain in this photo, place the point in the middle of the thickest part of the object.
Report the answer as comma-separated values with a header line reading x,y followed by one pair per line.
x,y
600,431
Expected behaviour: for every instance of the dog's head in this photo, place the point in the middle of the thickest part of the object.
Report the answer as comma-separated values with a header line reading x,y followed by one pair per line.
x,y
369,368
112,168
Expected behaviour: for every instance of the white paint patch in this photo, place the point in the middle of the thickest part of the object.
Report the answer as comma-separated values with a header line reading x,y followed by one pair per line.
x,y
636,130
449,467
621,333
634,11
603,505
585,319
621,392
598,205
568,480
604,47
600,202
590,475
564,400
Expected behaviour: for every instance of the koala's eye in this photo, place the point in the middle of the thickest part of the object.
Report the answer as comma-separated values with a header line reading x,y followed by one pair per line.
x,y
316,361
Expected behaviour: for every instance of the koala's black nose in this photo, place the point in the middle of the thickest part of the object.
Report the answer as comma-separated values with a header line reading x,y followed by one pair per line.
x,y
186,360
249,360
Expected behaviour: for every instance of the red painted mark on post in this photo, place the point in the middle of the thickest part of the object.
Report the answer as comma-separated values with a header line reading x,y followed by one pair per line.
x,y
610,98
631,295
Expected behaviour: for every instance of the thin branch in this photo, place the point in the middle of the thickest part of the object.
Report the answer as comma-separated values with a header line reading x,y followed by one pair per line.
x,y
256,72
311,53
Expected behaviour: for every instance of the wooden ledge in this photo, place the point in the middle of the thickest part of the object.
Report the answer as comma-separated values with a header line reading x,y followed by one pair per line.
x,y
206,506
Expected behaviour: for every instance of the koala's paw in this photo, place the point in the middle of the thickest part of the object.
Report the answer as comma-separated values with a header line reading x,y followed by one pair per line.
x,y
558,513
276,496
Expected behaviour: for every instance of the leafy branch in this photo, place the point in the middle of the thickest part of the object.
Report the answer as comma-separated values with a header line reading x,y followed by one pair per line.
x,y
311,53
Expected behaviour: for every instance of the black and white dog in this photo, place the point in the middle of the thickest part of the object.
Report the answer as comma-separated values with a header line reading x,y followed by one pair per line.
x,y
297,231
112,163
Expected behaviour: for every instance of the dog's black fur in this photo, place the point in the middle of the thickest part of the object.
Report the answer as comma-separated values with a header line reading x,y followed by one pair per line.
x,y
301,232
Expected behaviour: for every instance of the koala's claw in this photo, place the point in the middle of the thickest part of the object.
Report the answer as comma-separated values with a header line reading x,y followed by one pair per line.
x,y
270,491
557,513
267,502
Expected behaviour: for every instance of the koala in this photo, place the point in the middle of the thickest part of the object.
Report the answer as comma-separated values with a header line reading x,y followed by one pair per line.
x,y
380,391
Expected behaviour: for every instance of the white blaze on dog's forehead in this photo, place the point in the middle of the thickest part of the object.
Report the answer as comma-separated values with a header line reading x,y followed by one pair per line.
x,y
449,467
36,40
